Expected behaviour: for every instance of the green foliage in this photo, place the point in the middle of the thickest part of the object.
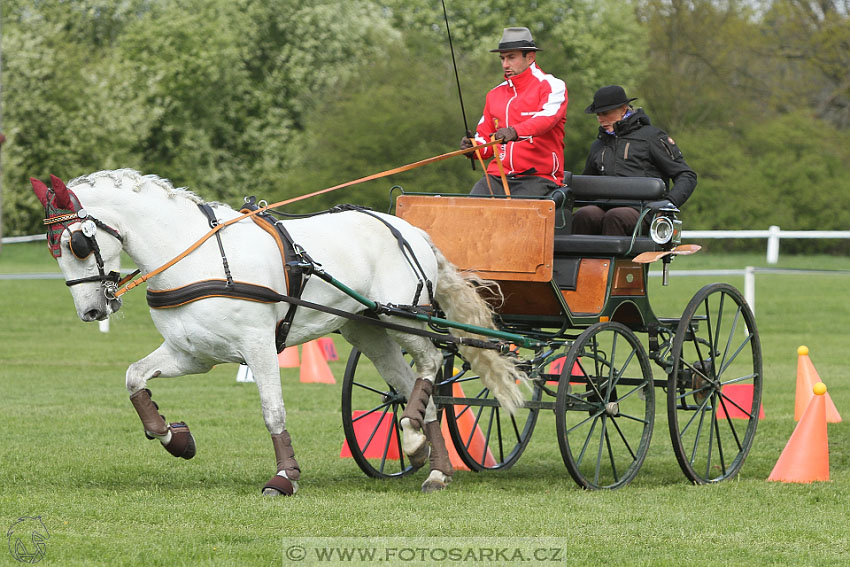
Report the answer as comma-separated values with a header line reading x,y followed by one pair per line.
x,y
790,172
279,98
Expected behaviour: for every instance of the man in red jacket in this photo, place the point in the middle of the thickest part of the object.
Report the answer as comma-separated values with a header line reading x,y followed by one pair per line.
x,y
527,111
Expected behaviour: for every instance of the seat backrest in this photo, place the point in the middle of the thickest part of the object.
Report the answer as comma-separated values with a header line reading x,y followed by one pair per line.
x,y
589,187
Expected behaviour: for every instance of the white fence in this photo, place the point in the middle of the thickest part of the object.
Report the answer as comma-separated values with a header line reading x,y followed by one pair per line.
x,y
772,234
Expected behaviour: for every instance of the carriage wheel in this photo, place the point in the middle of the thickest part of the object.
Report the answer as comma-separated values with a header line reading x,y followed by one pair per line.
x,y
605,408
716,350
485,436
371,410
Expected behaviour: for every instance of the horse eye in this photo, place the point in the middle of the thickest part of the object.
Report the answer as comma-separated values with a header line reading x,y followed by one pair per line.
x,y
80,245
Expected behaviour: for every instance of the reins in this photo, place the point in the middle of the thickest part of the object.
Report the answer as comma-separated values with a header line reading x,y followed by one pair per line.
x,y
128,285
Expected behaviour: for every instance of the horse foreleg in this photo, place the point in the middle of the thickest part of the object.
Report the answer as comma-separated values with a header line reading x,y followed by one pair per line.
x,y
264,365
166,362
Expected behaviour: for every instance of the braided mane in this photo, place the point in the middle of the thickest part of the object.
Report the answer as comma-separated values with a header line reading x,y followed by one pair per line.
x,y
135,181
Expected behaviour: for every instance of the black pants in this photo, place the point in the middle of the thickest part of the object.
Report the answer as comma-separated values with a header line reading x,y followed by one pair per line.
x,y
619,221
526,185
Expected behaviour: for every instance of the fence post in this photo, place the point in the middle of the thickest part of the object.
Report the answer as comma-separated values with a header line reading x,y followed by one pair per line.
x,y
750,287
773,244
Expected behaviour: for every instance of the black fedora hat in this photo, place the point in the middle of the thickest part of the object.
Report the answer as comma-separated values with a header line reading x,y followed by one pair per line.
x,y
608,98
516,39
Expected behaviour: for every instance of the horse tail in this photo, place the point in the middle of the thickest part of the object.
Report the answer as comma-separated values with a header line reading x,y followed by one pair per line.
x,y
460,300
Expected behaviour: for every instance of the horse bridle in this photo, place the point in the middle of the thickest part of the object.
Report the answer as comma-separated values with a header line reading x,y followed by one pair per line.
x,y
83,244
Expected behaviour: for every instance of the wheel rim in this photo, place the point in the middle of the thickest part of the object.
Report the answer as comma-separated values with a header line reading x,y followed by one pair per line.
x,y
716,351
484,435
371,410
605,418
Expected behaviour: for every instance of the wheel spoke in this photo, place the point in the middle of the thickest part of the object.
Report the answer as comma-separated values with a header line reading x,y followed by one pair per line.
x,y
623,438
370,388
484,436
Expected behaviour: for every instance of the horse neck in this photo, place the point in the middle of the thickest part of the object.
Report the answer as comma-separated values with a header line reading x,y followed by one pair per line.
x,y
155,227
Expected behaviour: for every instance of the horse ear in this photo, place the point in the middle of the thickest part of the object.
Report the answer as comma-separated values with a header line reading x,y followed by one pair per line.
x,y
63,200
40,190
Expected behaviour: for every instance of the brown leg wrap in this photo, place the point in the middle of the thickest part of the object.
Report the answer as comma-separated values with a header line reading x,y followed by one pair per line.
x,y
439,457
153,423
280,484
285,455
415,409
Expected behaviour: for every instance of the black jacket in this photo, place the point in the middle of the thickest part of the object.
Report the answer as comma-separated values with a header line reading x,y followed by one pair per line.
x,y
639,149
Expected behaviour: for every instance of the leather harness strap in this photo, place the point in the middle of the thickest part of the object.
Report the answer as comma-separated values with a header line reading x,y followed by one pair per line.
x,y
294,259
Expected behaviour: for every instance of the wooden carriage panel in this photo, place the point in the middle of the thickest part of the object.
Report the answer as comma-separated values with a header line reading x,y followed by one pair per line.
x,y
591,286
628,278
499,239
527,298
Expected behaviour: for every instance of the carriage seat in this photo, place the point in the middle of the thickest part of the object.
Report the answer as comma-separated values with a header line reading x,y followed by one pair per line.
x,y
628,190
611,191
593,244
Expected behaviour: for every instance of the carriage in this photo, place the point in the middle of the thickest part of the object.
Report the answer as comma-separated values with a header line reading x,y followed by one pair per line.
x,y
571,310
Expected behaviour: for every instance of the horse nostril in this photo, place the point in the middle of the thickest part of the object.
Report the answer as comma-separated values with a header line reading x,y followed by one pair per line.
x,y
94,315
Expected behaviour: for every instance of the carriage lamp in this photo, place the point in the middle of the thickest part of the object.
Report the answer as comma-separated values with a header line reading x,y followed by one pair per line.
x,y
665,229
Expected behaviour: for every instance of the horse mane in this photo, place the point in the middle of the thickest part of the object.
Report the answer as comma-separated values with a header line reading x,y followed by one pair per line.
x,y
137,181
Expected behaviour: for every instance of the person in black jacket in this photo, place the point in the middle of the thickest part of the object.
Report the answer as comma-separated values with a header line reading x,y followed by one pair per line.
x,y
628,145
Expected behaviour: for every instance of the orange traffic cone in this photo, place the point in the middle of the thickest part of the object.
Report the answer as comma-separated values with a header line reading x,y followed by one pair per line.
x,y
314,368
806,456
807,377
373,430
288,358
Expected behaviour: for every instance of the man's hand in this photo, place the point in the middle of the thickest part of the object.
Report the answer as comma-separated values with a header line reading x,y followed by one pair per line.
x,y
466,143
656,206
507,134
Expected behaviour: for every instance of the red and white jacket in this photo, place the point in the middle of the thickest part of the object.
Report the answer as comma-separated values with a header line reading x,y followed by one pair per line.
x,y
534,103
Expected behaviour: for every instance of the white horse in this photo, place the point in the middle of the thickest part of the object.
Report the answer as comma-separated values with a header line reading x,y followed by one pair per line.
x,y
96,216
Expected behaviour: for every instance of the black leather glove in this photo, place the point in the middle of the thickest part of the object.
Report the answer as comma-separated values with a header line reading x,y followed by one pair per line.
x,y
656,206
466,143
507,134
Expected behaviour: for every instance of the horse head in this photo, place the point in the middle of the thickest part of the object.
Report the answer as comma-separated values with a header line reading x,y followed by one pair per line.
x,y
94,250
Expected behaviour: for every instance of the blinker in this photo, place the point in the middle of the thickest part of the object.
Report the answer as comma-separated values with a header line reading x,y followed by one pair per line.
x,y
80,244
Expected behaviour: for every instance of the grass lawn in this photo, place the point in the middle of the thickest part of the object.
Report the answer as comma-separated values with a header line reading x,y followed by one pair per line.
x,y
73,451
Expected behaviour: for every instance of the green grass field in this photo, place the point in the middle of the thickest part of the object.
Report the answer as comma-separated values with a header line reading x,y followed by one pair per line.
x,y
73,451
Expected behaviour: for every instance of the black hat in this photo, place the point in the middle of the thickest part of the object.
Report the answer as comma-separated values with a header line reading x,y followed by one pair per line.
x,y
516,39
608,98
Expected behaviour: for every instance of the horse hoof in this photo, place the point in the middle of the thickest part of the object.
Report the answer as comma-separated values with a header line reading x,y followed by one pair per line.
x,y
279,485
436,481
182,442
419,457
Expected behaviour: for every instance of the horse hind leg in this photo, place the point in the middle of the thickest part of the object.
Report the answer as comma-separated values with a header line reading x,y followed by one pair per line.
x,y
388,359
419,420
440,463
